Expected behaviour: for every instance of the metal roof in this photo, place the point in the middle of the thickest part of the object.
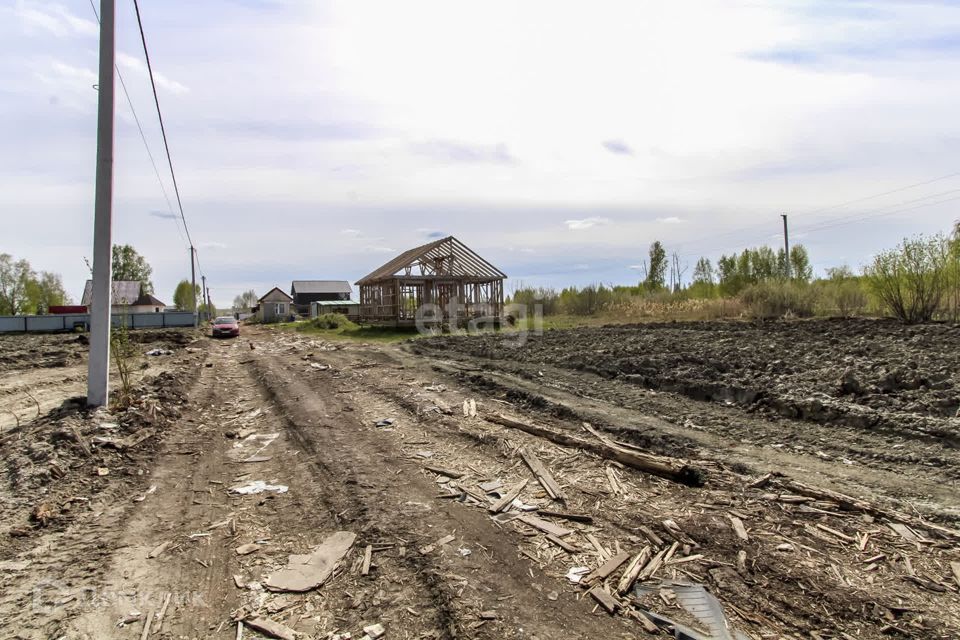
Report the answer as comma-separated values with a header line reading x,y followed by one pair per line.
x,y
320,286
123,292
334,303
445,257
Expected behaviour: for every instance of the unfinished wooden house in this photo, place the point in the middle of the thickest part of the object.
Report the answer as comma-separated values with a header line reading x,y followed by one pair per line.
x,y
444,281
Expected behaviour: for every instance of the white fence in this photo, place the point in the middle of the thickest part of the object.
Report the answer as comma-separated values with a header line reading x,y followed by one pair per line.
x,y
71,321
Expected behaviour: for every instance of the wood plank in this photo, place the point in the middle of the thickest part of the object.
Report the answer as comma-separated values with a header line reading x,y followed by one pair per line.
x,y
271,628
669,468
574,517
608,567
543,475
955,567
545,526
367,558
563,544
508,497
606,600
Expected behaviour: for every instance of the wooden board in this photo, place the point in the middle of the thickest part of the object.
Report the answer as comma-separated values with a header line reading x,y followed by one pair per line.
x,y
543,475
508,497
309,571
545,526
608,567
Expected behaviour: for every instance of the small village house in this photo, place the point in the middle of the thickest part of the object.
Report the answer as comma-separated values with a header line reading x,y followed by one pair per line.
x,y
306,291
275,306
127,297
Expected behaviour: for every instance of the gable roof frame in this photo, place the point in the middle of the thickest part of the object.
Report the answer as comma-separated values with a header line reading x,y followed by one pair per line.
x,y
445,254
280,291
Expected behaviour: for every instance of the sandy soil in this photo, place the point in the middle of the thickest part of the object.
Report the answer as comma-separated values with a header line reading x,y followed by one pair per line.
x,y
303,413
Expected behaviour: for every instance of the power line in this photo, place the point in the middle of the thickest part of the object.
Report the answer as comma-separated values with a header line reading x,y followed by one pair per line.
x,y
163,130
143,136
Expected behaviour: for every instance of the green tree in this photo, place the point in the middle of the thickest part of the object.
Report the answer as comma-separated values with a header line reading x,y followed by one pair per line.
x,y
657,272
15,277
181,296
911,279
800,268
45,291
703,271
245,301
130,265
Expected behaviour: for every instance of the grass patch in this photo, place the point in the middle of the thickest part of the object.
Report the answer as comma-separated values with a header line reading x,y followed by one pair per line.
x,y
334,326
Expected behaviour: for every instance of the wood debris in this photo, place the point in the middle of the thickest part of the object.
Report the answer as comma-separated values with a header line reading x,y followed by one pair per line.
x,y
309,571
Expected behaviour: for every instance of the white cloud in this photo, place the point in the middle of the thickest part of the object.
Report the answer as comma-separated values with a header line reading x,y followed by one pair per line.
x,y
138,66
351,232
54,18
671,220
586,223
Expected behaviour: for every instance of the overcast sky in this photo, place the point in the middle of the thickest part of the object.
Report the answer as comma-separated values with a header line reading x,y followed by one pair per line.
x,y
315,139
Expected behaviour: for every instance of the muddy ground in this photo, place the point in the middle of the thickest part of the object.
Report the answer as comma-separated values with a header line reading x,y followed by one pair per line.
x,y
375,441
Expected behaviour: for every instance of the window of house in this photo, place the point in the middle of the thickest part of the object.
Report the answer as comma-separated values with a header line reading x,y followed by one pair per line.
x,y
281,308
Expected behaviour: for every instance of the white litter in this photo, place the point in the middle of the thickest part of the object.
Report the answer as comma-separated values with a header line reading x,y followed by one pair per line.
x,y
576,574
258,486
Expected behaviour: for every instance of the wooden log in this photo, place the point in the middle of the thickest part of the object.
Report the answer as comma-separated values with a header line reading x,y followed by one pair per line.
x,y
367,558
669,468
543,475
849,503
508,497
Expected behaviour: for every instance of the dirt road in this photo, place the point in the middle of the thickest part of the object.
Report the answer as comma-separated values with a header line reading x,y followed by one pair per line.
x,y
376,441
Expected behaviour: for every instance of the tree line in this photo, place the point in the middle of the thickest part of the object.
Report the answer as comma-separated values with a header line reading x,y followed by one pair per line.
x,y
917,281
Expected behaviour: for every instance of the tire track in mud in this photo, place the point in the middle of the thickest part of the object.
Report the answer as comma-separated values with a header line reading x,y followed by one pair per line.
x,y
367,474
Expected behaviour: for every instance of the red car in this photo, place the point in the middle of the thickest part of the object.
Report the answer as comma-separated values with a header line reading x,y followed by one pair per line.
x,y
226,327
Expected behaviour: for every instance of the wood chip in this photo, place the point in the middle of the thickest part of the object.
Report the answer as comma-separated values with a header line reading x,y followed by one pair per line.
x,y
739,529
834,532
159,549
439,543
247,549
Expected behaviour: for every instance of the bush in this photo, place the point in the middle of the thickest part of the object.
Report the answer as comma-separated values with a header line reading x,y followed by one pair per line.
x,y
328,322
910,280
773,299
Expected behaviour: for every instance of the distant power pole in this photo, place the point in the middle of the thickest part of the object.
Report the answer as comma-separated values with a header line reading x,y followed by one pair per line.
x,y
786,245
203,293
98,362
193,284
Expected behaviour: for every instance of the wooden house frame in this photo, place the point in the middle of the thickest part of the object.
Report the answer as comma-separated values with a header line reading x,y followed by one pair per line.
x,y
445,281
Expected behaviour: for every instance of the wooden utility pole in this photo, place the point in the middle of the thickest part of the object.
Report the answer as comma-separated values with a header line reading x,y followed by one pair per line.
x,y
98,362
203,294
786,246
193,284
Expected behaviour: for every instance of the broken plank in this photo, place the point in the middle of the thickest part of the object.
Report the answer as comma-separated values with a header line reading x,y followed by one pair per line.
x,y
955,567
608,567
543,475
605,600
439,543
633,570
574,517
545,526
566,546
508,497
450,473
367,557
834,532
271,628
